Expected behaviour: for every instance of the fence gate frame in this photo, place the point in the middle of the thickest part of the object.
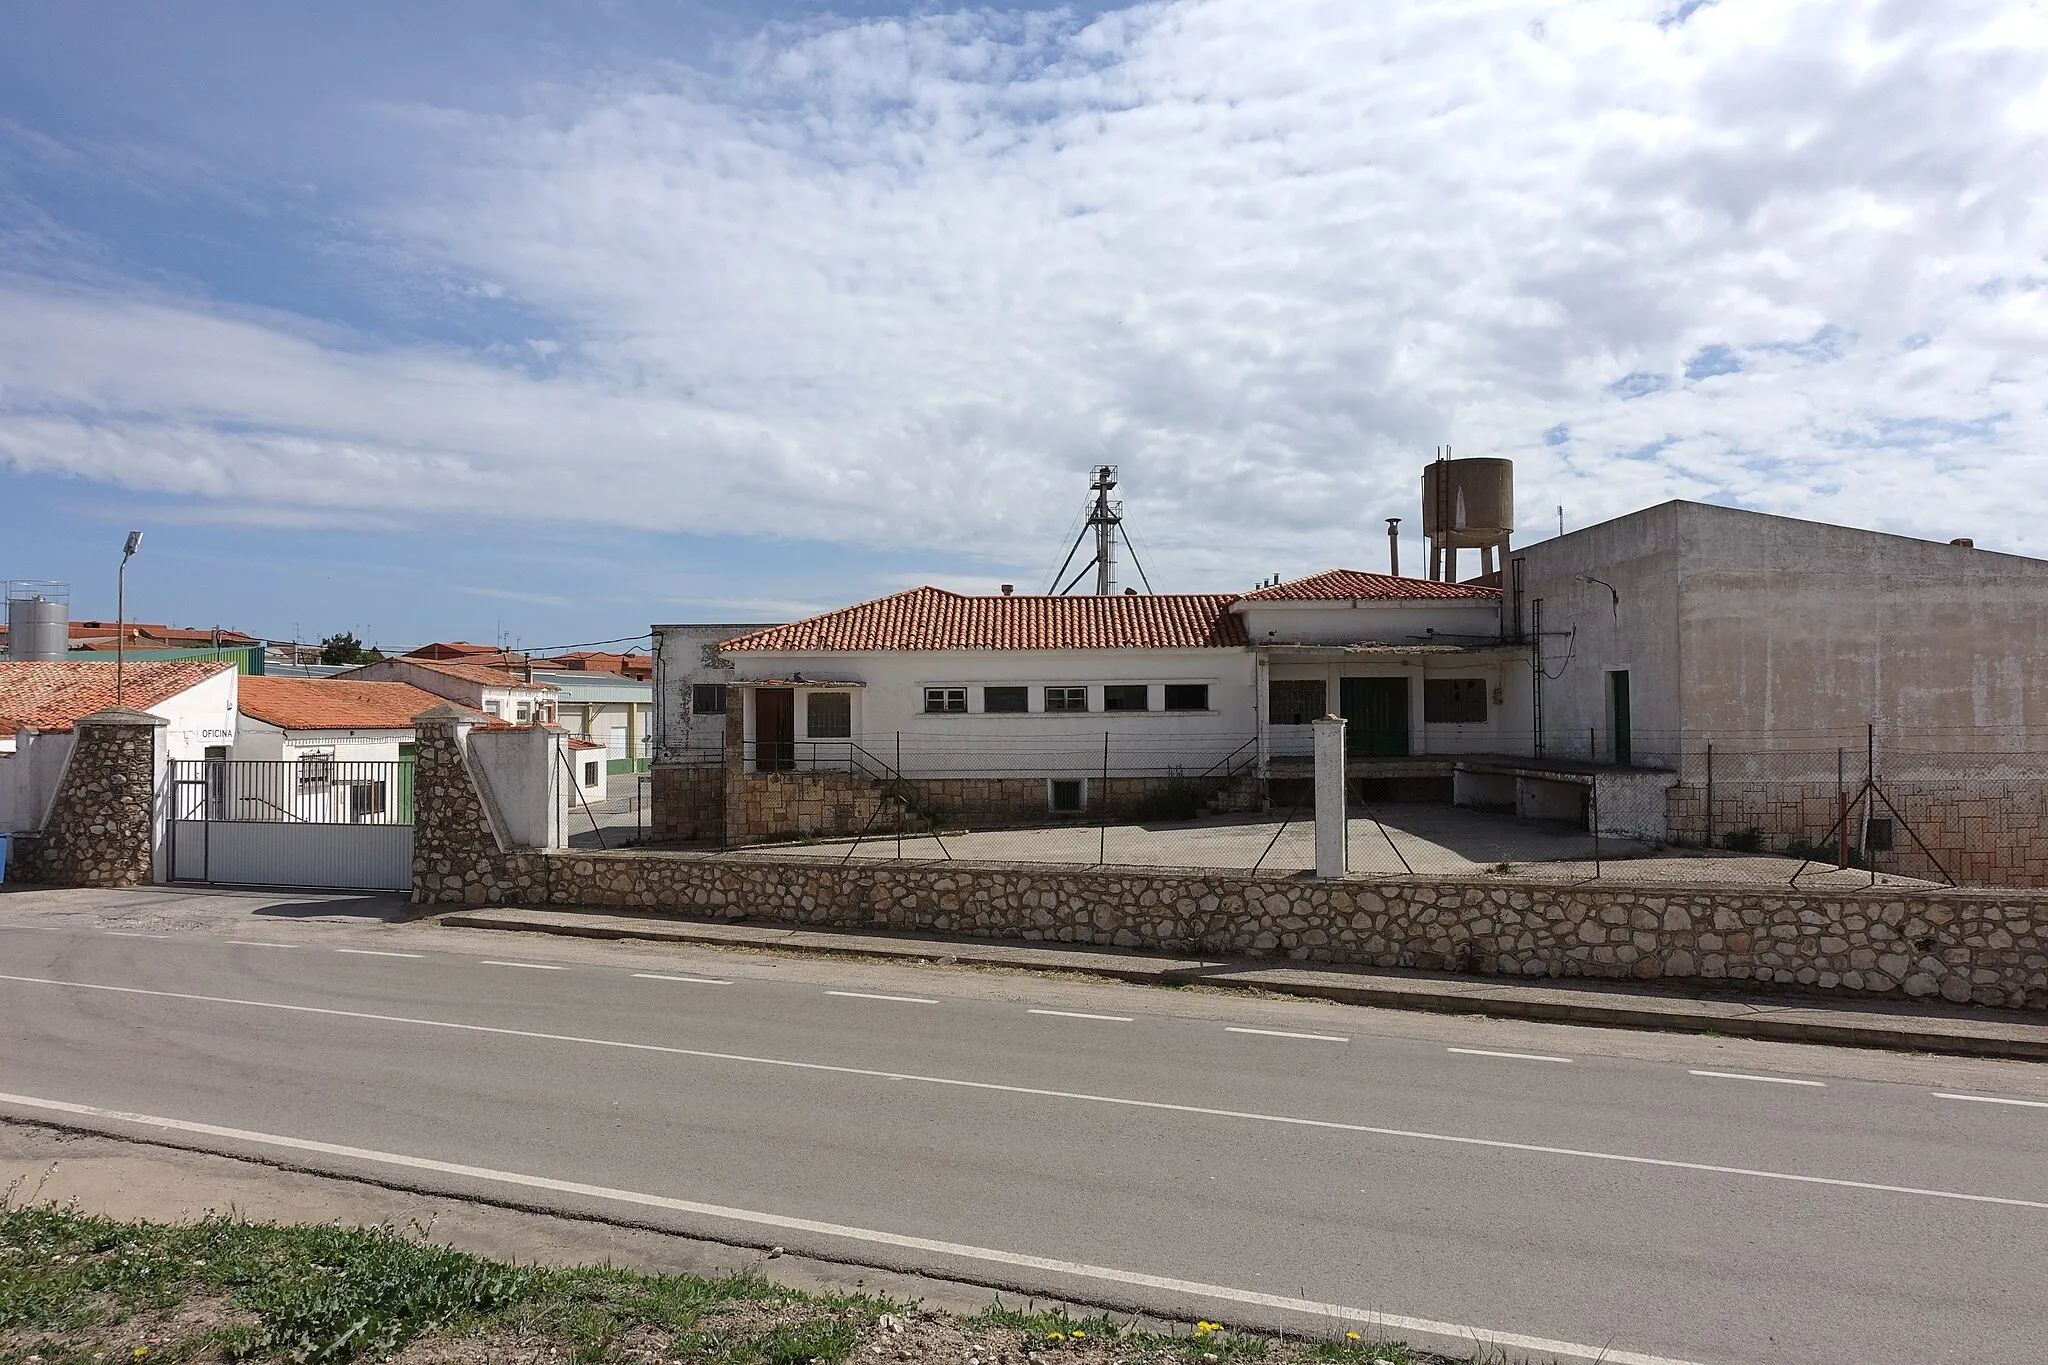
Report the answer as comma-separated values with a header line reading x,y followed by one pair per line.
x,y
290,836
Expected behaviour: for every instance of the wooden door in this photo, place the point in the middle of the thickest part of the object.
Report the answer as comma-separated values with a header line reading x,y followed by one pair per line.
x,y
774,729
1377,709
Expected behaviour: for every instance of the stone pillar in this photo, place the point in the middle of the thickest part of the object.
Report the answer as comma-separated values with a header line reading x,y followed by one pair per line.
x,y
101,830
1333,846
454,845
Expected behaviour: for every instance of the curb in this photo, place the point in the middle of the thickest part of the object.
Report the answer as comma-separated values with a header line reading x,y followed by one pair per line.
x,y
1550,1003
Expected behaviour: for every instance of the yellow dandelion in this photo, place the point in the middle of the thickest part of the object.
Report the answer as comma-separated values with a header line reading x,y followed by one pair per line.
x,y
1352,1336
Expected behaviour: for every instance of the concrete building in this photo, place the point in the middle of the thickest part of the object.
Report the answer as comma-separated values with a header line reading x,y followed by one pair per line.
x,y
493,691
612,712
333,721
689,691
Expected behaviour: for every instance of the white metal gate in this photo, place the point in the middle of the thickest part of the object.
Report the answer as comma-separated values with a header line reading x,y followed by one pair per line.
x,y
311,822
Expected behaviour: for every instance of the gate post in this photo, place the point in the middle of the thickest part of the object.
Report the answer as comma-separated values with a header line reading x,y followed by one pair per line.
x,y
1333,845
103,825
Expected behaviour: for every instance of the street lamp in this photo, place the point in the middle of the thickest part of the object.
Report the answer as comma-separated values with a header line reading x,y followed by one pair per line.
x,y
121,612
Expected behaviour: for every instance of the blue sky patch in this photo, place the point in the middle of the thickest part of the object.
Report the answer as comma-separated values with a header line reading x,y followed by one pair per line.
x,y
1639,384
1712,360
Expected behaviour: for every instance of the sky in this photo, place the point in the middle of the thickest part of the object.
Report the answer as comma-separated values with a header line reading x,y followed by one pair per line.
x,y
545,322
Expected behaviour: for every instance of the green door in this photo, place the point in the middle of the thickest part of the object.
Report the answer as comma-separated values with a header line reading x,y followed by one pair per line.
x,y
406,753
1617,700
1377,709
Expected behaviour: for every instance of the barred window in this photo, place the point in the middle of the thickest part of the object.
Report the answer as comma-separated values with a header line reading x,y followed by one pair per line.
x,y
1453,701
828,715
316,770
1296,701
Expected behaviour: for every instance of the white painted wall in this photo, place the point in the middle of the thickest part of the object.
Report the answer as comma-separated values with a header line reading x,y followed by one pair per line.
x,y
1367,621
29,775
201,716
890,702
683,656
527,781
1503,669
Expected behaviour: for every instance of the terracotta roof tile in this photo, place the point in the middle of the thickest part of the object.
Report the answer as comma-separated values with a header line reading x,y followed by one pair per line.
x,y
331,704
484,674
1342,585
51,695
933,618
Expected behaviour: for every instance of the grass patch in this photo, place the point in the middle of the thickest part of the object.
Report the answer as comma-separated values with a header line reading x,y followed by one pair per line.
x,y
83,1290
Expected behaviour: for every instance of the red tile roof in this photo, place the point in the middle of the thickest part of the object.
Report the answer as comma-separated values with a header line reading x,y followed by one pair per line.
x,y
50,696
483,674
1342,585
456,649
334,704
933,618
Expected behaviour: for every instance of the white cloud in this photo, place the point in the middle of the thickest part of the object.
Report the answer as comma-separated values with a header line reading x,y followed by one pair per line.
x,y
899,282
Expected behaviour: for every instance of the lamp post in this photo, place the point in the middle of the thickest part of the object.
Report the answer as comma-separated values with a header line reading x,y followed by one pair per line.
x,y
121,613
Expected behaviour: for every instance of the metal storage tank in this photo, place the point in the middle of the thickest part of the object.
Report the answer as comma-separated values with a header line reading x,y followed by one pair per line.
x,y
38,620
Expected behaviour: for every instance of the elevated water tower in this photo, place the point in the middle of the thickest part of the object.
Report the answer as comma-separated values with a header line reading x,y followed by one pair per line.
x,y
1467,505
38,620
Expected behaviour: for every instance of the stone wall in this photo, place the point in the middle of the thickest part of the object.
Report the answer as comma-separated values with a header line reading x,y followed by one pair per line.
x,y
688,803
456,854
101,830
1987,947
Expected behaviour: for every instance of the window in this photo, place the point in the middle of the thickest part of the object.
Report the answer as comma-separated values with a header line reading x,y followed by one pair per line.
x,y
1066,699
707,699
590,773
1877,835
365,800
1067,794
1187,696
1006,699
1453,701
491,708
1296,701
828,715
524,712
1126,697
945,699
316,770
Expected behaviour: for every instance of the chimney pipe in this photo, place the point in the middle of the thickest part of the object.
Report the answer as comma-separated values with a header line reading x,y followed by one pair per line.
x,y
1009,589
1394,546
1965,542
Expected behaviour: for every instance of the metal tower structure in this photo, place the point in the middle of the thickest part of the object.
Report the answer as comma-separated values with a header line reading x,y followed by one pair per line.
x,y
1105,520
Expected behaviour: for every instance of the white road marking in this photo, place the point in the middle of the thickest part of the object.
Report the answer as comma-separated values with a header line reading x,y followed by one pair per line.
x,y
256,943
895,999
530,966
375,952
1078,1096
1513,1056
1993,1099
1330,1312
689,980
1277,1033
1745,1076
1075,1014
123,933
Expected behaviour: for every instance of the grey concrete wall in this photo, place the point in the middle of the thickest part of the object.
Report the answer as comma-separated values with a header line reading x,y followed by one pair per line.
x,y
1736,624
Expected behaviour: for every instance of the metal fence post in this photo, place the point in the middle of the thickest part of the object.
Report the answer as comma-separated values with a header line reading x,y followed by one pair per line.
x,y
1102,801
1710,795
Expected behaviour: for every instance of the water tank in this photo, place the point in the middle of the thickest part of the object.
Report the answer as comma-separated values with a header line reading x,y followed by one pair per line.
x,y
38,620
1468,503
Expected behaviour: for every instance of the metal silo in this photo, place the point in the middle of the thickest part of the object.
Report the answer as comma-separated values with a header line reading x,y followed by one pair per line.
x,y
38,620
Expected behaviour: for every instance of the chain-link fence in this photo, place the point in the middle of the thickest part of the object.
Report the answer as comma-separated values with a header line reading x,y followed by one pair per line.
x,y
1853,808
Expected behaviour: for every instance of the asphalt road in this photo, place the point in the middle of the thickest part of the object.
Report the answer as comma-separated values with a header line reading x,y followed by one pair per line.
x,y
1275,1162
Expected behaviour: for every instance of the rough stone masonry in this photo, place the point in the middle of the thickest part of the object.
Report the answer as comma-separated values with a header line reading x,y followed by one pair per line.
x,y
101,830
1981,946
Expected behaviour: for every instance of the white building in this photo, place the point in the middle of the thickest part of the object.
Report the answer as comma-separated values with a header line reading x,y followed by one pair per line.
x,y
347,720
40,702
480,687
613,712
690,676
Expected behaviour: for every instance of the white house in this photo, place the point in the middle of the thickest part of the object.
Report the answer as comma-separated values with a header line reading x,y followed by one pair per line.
x,y
480,687
608,710
41,701
344,720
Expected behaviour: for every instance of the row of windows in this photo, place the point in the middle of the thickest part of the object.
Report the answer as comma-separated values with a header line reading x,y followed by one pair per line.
x,y
1445,701
1115,697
